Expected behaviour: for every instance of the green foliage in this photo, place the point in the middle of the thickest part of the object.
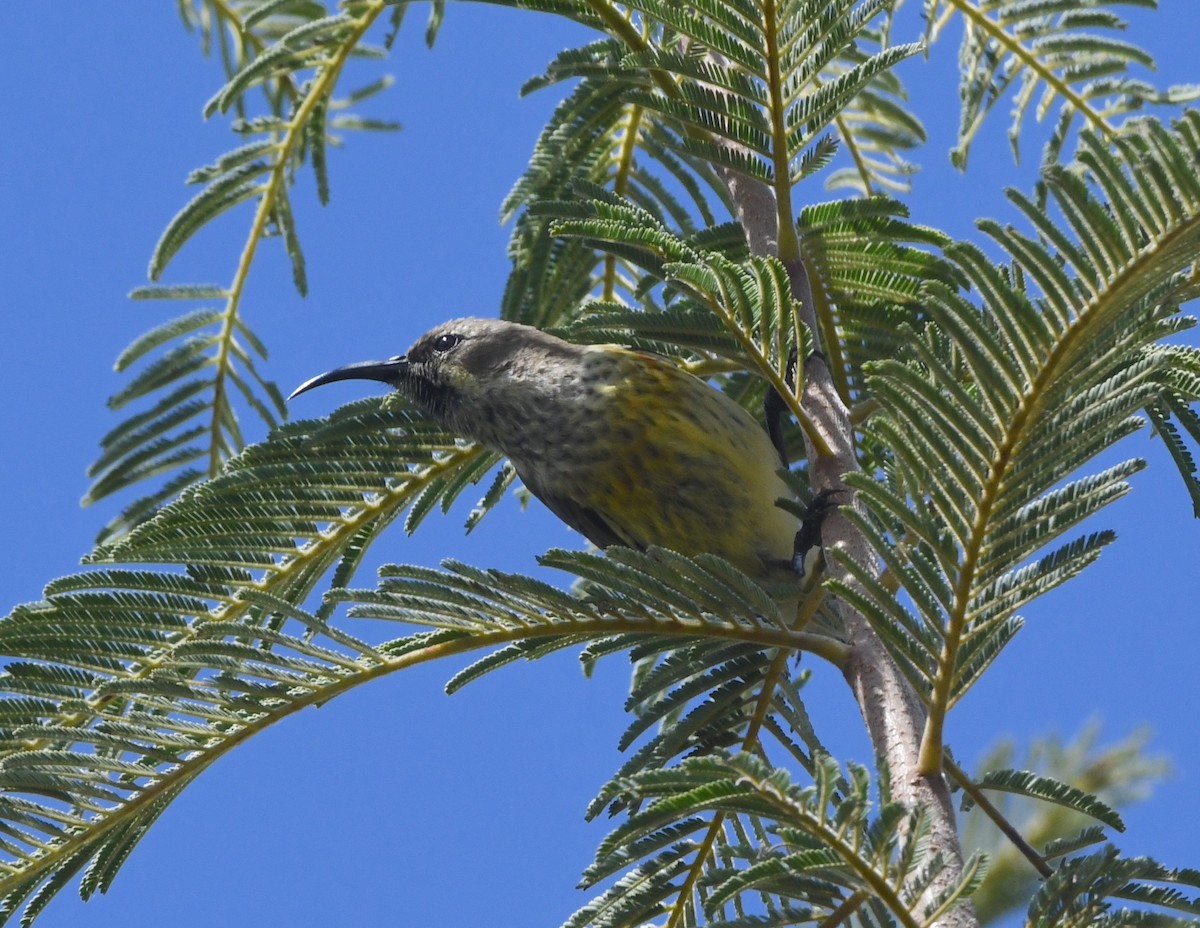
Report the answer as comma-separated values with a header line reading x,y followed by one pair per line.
x,y
1118,775
1057,374
131,682
653,98
826,848
191,386
294,54
776,77
876,129
750,298
981,393
1055,52
1076,896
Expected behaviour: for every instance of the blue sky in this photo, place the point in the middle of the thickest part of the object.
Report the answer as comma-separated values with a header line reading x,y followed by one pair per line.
x,y
396,804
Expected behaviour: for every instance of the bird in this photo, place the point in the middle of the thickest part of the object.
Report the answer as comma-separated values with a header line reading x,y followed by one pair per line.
x,y
624,446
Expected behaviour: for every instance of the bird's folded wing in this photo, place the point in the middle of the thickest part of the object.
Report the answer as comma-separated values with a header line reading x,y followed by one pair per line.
x,y
585,520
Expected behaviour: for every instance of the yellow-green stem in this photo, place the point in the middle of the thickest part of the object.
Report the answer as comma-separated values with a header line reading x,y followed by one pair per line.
x,y
633,121
785,640
321,87
1016,433
1030,60
348,527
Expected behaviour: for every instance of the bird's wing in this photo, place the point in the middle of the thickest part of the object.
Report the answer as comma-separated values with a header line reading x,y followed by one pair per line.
x,y
583,519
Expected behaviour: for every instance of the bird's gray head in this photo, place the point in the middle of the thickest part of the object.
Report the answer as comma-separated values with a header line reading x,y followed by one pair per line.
x,y
459,372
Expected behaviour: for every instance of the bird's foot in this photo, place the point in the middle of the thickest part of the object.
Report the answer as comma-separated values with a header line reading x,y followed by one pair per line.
x,y
808,539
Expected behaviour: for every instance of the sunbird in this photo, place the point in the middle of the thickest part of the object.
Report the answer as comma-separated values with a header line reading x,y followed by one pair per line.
x,y
623,446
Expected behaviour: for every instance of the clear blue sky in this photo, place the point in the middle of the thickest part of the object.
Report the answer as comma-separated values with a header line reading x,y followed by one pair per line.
x,y
395,804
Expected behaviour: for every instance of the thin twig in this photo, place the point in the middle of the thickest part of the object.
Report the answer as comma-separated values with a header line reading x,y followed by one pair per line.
x,y
972,789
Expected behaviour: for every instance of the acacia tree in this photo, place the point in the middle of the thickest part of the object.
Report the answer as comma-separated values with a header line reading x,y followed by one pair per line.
x,y
954,398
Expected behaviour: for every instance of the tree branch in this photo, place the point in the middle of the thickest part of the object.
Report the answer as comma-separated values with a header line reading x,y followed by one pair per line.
x,y
892,711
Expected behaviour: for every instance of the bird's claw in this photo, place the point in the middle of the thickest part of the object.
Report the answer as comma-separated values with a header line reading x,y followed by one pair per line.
x,y
809,535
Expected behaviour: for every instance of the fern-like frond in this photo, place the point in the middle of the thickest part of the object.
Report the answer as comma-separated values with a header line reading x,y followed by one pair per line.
x,y
94,750
1169,407
875,129
128,682
753,86
1013,397
243,29
370,461
1048,789
644,593
200,369
1116,774
783,847
1051,55
870,265
596,136
205,364
1080,894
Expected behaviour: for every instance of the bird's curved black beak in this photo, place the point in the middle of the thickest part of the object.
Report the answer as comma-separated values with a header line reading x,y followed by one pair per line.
x,y
389,372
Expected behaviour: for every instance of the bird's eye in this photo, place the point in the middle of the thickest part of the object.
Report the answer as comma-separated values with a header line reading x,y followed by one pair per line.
x,y
446,342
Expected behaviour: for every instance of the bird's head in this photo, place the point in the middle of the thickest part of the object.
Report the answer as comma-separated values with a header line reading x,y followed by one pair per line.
x,y
459,371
